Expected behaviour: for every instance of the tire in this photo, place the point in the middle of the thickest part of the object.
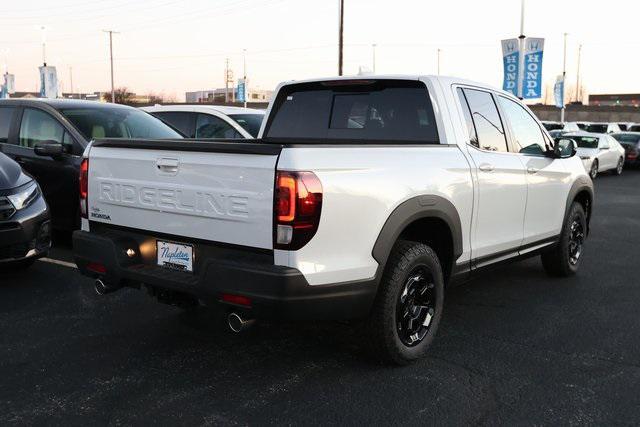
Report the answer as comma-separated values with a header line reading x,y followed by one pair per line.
x,y
565,258
594,169
619,167
408,307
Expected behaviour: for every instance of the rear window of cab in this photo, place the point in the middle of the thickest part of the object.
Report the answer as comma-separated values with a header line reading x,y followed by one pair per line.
x,y
353,111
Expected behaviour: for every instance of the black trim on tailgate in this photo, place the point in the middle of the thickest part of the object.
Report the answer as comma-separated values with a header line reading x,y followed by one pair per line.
x,y
212,146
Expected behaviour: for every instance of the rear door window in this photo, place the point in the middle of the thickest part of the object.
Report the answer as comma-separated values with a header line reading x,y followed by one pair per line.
x,y
486,120
361,111
6,116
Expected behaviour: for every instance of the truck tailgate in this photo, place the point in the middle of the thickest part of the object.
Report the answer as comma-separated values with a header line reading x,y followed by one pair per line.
x,y
215,191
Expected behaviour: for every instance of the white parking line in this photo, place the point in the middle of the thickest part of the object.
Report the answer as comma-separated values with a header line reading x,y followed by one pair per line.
x,y
58,262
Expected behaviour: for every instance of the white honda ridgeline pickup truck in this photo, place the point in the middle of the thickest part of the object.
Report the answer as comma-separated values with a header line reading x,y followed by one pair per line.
x,y
361,199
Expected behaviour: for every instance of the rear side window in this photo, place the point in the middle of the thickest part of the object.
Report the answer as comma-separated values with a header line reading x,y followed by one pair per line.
x,y
6,115
486,120
212,127
38,127
183,122
471,130
361,111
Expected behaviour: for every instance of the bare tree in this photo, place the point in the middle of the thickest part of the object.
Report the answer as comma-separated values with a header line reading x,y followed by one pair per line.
x,y
122,95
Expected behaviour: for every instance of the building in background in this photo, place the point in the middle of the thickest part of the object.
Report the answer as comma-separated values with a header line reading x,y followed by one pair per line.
x,y
613,100
218,95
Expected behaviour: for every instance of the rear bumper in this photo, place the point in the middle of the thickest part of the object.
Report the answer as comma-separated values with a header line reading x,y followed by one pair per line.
x,y
275,292
26,234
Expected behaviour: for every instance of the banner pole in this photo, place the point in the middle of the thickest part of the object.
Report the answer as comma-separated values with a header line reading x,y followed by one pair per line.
x,y
521,46
564,74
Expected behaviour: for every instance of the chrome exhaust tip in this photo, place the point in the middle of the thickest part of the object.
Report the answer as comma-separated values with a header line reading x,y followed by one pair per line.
x,y
102,288
237,323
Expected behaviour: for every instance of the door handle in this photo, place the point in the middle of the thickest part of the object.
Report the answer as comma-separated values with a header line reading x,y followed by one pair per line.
x,y
532,170
167,165
486,167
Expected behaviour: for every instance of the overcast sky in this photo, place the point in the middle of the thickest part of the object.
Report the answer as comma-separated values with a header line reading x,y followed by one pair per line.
x,y
173,46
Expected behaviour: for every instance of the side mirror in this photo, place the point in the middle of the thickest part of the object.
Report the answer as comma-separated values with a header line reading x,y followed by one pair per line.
x,y
49,149
565,148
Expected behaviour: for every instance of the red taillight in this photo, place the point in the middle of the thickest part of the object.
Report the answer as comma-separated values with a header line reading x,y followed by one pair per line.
x,y
96,267
298,203
84,187
236,299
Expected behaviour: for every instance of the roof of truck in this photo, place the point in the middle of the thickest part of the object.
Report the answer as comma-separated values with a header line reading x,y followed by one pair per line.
x,y
444,80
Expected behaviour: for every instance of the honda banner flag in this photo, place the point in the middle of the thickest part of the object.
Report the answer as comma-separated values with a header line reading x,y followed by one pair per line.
x,y
511,61
48,82
558,92
532,79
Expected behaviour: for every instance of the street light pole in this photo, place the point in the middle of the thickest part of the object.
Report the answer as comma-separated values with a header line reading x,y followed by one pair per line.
x,y
439,61
564,74
111,32
374,57
521,45
340,38
578,98
244,60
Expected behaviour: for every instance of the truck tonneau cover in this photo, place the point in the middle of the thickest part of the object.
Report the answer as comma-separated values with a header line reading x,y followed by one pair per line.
x,y
197,145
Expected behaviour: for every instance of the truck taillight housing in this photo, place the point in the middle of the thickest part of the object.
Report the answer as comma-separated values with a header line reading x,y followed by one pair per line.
x,y
84,187
298,202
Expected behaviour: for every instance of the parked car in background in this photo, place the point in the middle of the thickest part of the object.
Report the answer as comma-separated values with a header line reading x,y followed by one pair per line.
x,y
47,137
550,125
599,152
25,228
602,128
624,126
630,141
562,127
361,199
210,121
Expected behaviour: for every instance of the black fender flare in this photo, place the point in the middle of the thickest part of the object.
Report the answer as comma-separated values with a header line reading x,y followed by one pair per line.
x,y
419,207
583,183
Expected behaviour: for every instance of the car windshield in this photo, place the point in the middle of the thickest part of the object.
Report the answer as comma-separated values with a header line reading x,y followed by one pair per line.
x,y
104,122
627,138
249,122
634,128
596,128
585,141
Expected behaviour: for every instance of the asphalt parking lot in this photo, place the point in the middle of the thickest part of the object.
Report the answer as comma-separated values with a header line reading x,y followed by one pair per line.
x,y
515,347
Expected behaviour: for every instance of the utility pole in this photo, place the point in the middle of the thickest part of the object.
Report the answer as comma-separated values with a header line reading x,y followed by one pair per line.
x,y
340,38
244,78
564,74
373,46
111,33
438,53
521,44
578,97
44,45
71,80
226,81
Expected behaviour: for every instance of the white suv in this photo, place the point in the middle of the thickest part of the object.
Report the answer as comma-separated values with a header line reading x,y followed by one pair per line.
x,y
210,121
363,198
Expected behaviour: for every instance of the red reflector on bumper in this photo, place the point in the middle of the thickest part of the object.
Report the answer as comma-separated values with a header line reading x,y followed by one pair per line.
x,y
236,299
96,268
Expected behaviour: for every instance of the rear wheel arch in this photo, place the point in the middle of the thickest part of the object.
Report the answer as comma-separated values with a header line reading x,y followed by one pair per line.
x,y
432,220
